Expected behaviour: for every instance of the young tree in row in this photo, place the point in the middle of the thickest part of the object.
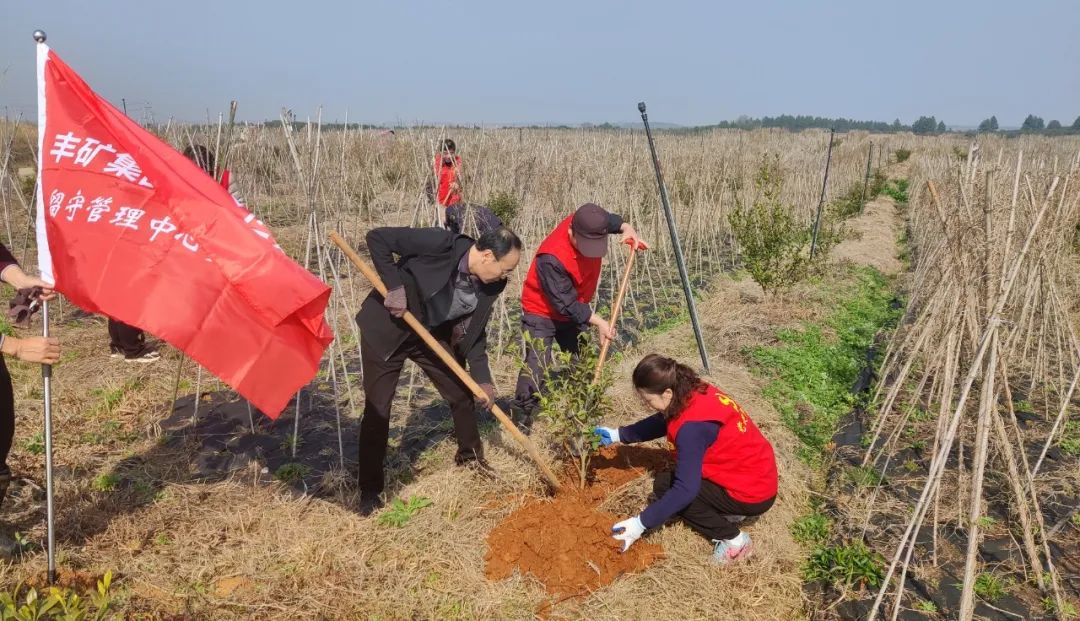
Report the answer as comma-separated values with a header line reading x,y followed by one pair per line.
x,y
1055,124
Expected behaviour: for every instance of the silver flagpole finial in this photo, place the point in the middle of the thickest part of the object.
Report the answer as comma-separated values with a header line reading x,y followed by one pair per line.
x,y
39,36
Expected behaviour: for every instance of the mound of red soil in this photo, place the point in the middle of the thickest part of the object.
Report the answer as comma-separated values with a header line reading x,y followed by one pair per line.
x,y
565,542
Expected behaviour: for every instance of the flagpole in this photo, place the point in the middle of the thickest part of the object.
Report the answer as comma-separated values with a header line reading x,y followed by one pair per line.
x,y
46,375
46,369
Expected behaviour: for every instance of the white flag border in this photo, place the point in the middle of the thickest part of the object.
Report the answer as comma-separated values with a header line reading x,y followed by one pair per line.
x,y
45,264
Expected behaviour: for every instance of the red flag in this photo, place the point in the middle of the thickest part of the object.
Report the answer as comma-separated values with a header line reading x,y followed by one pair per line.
x,y
129,228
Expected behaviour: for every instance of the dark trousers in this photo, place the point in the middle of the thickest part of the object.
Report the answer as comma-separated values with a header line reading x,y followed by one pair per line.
x,y
381,375
125,339
7,415
531,378
713,514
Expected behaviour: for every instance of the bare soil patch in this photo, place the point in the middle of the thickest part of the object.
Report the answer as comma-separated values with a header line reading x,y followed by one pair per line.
x,y
566,542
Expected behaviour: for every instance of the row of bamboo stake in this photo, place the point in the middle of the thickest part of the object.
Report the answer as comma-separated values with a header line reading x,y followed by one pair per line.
x,y
986,317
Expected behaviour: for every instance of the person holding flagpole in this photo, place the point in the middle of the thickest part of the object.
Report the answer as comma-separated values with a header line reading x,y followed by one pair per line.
x,y
34,349
127,227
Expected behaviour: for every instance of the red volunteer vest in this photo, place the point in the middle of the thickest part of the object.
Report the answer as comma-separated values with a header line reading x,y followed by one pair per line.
x,y
741,460
585,273
446,175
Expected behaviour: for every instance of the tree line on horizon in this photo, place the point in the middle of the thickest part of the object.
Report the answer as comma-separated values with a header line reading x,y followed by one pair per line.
x,y
924,125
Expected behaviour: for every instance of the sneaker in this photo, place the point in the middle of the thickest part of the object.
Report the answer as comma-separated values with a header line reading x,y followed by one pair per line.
x,y
144,357
728,550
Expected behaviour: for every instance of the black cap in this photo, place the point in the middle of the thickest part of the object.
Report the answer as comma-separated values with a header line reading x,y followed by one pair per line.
x,y
590,227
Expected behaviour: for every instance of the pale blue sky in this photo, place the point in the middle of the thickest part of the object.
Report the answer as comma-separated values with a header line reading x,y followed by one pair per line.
x,y
560,62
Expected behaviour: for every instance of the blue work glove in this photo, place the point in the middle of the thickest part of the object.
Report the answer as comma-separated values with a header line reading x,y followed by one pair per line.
x,y
607,435
628,531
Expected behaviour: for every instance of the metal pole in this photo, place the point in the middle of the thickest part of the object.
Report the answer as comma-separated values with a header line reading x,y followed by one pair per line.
x,y
821,202
46,376
866,179
675,241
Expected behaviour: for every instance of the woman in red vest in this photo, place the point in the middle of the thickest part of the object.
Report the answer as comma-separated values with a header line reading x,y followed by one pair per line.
x,y
725,470
447,167
558,289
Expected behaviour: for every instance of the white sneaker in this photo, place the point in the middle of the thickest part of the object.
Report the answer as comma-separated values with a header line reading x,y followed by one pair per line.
x,y
145,357
727,550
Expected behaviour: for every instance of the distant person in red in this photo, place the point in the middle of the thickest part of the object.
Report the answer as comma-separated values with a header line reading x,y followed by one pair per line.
x,y
558,289
204,158
447,168
725,470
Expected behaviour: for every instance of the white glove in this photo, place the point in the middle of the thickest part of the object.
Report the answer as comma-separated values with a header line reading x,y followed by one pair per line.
x,y
608,435
628,531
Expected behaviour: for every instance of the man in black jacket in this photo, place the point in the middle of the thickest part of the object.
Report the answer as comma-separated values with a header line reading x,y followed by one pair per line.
x,y
449,282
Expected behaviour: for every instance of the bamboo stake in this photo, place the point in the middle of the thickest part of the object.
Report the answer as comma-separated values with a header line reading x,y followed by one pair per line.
x,y
1057,422
986,407
1019,495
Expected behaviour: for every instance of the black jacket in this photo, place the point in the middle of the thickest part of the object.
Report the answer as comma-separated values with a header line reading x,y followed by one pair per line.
x,y
427,262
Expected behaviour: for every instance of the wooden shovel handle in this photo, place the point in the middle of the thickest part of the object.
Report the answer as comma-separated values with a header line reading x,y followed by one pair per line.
x,y
615,312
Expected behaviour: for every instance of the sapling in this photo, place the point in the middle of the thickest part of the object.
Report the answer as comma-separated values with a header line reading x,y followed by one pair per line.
x,y
572,404
772,241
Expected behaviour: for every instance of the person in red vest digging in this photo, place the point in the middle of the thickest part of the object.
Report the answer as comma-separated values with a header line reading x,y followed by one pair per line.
x,y
725,469
558,289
